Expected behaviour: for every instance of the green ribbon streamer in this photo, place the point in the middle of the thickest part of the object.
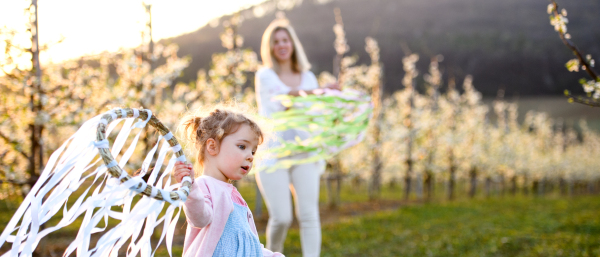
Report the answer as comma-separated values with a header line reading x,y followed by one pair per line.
x,y
334,120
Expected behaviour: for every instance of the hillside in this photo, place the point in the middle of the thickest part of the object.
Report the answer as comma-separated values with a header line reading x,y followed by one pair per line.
x,y
505,44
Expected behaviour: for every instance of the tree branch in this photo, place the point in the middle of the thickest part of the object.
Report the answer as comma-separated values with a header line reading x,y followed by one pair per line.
x,y
572,47
583,100
14,182
14,144
586,65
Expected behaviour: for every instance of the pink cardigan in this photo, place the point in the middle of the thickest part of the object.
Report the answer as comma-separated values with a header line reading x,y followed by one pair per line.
x,y
207,209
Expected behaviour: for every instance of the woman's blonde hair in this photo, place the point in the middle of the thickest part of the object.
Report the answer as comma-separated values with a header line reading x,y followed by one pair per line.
x,y
299,61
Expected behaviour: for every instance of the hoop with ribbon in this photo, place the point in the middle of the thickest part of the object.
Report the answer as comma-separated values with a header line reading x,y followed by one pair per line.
x,y
75,165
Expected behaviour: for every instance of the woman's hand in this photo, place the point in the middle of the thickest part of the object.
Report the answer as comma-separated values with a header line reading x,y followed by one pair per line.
x,y
318,91
333,86
181,170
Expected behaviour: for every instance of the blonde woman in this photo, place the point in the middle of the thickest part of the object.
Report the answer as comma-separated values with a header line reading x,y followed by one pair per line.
x,y
286,71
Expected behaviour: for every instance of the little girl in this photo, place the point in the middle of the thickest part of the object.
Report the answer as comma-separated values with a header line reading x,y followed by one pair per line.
x,y
219,220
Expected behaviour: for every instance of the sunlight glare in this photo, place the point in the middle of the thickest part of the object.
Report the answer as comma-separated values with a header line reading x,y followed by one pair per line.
x,y
93,27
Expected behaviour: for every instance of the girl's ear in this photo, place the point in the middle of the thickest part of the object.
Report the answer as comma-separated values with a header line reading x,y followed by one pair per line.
x,y
212,146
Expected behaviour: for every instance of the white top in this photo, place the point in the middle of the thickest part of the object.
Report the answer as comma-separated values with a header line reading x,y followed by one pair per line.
x,y
268,85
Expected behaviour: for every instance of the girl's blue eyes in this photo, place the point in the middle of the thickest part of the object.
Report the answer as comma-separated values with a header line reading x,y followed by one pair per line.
x,y
243,147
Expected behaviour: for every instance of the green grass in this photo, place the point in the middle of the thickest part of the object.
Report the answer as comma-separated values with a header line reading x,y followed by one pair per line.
x,y
511,226
498,226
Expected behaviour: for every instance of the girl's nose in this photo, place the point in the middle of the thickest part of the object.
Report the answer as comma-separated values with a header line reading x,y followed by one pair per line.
x,y
250,158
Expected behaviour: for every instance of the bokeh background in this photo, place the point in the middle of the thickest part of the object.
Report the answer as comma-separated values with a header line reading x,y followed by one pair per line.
x,y
473,149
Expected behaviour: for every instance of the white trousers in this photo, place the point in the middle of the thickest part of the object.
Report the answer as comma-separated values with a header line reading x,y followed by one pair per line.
x,y
277,188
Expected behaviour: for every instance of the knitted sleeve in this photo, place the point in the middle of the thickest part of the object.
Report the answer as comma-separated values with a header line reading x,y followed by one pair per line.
x,y
198,207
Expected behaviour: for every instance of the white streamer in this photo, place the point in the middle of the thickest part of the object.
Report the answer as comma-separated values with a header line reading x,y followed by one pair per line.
x,y
154,192
176,148
168,136
101,144
182,196
188,179
113,115
123,113
71,166
186,189
123,175
139,186
111,164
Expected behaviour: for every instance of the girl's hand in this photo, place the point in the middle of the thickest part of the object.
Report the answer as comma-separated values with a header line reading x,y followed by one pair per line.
x,y
333,86
181,170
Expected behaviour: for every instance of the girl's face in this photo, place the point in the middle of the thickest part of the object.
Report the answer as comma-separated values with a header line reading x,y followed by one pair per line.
x,y
282,46
236,153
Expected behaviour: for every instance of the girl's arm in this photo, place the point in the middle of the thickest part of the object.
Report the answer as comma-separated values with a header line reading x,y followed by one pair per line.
x,y
198,206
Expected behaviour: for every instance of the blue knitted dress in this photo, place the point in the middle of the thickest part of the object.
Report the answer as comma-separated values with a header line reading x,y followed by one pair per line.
x,y
237,238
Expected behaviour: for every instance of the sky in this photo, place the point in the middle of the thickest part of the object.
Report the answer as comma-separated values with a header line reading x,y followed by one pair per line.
x,y
90,27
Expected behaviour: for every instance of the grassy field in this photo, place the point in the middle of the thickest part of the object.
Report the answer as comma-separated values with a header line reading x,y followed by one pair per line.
x,y
509,226
499,227
496,226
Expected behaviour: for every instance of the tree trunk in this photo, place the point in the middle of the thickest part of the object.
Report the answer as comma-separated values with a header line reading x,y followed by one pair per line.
x,y
409,146
534,186
36,157
330,192
571,187
338,193
333,183
419,186
428,185
488,186
375,183
525,185
473,177
562,184
375,142
407,179
513,187
502,185
451,182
